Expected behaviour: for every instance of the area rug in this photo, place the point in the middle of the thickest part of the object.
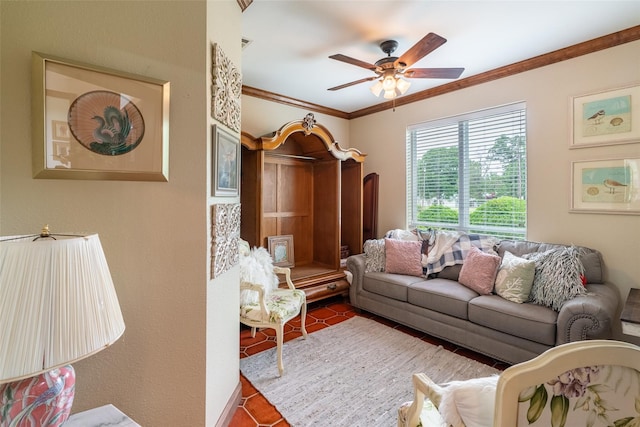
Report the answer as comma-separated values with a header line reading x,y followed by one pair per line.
x,y
355,373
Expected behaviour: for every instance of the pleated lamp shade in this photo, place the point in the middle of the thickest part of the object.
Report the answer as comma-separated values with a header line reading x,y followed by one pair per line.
x,y
58,303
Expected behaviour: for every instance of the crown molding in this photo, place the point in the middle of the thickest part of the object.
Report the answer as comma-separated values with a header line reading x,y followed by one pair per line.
x,y
281,99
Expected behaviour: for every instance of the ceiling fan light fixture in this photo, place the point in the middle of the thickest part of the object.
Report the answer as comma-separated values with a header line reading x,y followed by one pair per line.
x,y
389,82
402,85
376,89
390,94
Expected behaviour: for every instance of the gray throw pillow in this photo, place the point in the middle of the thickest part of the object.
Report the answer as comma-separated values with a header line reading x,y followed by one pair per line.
x,y
557,277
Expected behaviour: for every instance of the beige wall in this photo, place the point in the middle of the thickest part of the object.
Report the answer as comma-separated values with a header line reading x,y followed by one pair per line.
x,y
546,92
177,363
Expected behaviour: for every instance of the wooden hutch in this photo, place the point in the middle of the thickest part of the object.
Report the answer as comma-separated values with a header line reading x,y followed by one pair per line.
x,y
299,181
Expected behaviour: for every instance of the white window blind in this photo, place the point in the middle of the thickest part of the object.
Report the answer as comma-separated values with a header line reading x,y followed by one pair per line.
x,y
469,172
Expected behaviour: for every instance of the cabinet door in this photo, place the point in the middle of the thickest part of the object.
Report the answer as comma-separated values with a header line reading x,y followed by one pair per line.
x,y
370,207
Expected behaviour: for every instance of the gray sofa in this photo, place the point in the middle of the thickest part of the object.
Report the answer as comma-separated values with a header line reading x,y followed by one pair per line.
x,y
488,324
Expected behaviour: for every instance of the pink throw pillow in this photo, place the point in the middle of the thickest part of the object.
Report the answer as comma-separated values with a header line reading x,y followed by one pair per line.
x,y
479,271
403,257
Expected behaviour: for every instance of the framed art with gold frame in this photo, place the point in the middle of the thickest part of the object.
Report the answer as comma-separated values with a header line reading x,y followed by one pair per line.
x,y
281,250
117,123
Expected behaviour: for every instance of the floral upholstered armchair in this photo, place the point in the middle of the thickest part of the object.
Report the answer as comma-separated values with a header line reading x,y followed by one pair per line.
x,y
584,383
262,303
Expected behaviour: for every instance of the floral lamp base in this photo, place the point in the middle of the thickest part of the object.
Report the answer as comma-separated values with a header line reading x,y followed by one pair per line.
x,y
43,400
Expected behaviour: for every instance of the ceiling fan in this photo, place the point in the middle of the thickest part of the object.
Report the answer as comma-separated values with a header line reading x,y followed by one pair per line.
x,y
390,69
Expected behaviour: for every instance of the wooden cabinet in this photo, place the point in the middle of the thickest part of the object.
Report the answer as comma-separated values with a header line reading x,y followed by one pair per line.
x,y
299,181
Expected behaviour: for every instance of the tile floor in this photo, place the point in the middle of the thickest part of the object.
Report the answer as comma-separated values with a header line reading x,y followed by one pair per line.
x,y
256,411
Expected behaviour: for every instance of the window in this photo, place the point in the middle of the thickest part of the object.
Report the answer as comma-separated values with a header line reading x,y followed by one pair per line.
x,y
469,173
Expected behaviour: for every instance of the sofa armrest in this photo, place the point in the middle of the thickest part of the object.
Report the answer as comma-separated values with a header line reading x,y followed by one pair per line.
x,y
356,266
588,316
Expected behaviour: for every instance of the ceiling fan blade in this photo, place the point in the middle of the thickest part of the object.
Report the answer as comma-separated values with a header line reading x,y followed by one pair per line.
x,y
433,73
428,44
368,79
353,61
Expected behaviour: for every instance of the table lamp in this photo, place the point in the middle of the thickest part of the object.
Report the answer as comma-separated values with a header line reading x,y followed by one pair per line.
x,y
58,305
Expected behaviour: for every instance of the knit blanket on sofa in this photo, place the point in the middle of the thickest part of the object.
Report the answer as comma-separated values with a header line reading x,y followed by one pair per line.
x,y
456,253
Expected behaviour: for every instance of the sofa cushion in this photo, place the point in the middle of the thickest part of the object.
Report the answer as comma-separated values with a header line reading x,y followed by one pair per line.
x,y
592,263
403,257
515,278
479,271
441,295
389,285
529,321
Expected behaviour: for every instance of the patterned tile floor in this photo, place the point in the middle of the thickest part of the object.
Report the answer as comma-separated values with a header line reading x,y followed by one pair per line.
x,y
255,411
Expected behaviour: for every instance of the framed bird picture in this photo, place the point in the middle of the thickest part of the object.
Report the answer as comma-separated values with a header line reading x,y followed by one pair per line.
x,y
115,124
606,118
606,186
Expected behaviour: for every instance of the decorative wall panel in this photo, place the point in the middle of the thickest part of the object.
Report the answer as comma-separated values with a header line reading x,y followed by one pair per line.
x,y
226,90
225,232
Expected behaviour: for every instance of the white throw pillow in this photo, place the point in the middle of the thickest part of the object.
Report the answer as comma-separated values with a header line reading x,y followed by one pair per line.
x,y
469,403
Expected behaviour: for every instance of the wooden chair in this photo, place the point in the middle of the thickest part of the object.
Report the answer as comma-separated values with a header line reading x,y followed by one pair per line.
x,y
594,382
273,307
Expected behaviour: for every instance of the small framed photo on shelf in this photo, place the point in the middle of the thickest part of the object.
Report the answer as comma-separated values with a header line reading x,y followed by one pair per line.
x,y
115,124
606,186
606,118
281,250
225,163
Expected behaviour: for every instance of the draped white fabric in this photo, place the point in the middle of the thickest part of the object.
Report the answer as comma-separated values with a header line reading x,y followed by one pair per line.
x,y
58,304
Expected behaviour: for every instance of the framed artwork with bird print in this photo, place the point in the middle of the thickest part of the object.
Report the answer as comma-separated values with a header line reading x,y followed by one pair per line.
x,y
606,118
606,186
116,124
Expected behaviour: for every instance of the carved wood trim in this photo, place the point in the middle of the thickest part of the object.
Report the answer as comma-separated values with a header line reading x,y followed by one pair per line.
x,y
273,141
605,42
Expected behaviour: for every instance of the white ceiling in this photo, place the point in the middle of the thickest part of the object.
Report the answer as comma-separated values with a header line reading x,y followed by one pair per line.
x,y
291,40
